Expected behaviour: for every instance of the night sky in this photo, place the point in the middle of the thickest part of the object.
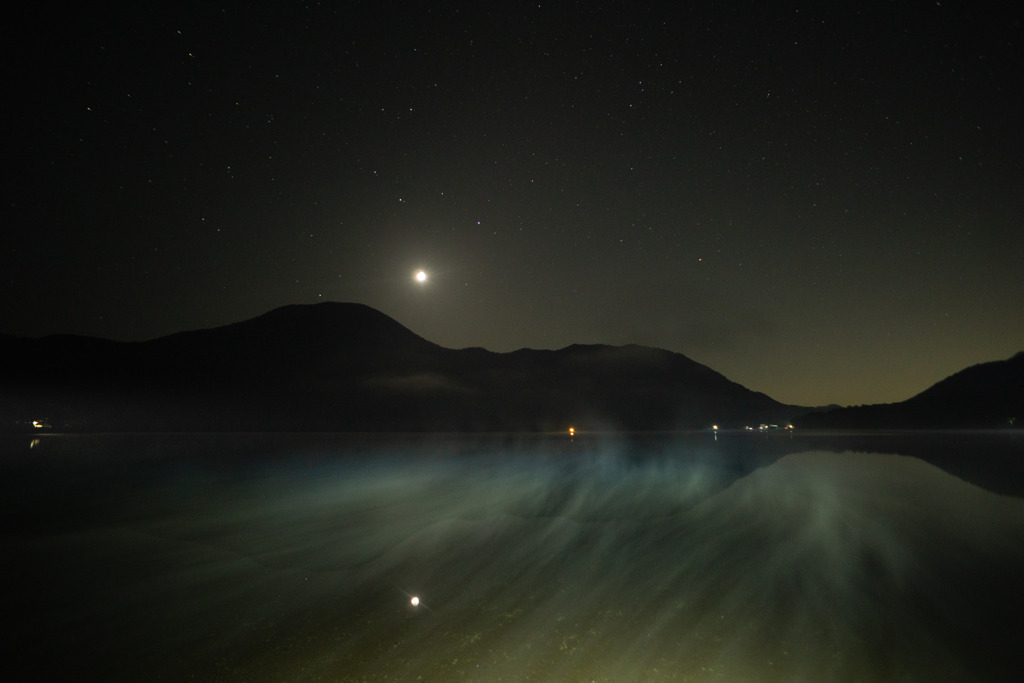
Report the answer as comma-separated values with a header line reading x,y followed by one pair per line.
x,y
822,204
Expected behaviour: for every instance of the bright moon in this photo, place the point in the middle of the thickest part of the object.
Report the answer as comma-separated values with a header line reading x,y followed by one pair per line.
x,y
421,276
415,600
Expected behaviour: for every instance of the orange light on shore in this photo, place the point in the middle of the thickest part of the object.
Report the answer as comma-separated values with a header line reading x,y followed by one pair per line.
x,y
572,431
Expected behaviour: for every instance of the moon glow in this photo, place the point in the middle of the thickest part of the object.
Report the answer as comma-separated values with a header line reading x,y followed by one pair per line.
x,y
421,276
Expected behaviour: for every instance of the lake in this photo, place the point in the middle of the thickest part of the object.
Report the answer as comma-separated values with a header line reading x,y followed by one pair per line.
x,y
602,557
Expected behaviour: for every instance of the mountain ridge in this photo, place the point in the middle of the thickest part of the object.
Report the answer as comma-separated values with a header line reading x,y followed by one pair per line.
x,y
337,366
984,395
348,367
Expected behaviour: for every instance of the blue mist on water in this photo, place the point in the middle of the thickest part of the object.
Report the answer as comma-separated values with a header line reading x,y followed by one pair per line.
x,y
603,557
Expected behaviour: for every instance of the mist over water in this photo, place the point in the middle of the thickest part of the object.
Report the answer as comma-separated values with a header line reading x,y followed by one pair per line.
x,y
257,558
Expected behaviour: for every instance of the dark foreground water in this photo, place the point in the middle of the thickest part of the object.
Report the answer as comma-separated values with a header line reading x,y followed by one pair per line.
x,y
672,557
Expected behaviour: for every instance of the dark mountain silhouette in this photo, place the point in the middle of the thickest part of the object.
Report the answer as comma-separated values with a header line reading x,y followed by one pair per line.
x,y
988,395
348,367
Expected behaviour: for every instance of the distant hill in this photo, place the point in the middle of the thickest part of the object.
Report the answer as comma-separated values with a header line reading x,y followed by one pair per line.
x,y
985,396
348,367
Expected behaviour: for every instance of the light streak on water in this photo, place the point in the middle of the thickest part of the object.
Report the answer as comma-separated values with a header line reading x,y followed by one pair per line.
x,y
507,561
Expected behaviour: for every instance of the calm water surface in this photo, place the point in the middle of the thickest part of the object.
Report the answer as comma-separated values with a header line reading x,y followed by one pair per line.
x,y
604,558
